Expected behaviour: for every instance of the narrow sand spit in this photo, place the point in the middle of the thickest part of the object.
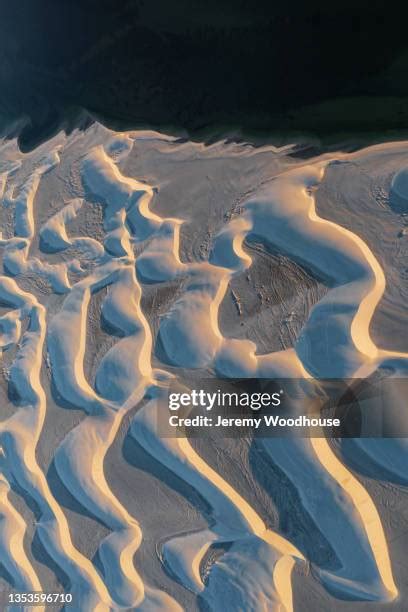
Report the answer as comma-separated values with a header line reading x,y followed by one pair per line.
x,y
159,230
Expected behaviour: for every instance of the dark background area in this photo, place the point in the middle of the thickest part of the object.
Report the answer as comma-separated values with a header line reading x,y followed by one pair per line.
x,y
205,67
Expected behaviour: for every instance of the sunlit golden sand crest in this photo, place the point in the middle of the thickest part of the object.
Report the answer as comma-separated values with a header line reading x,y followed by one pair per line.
x,y
282,212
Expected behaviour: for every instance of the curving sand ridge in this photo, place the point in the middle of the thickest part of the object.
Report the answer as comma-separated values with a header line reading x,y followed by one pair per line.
x,y
102,177
66,353
19,435
53,234
82,470
16,259
123,374
88,483
234,519
282,213
24,202
12,531
235,561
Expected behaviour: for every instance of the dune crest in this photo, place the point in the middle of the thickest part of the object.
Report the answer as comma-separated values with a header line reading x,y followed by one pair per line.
x,y
52,273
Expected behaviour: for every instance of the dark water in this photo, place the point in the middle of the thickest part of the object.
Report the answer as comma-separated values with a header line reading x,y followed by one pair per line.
x,y
203,65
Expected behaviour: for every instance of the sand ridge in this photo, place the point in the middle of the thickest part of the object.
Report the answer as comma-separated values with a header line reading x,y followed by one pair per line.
x,y
141,246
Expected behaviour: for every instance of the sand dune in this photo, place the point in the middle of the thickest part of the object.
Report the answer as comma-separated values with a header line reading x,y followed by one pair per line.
x,y
147,238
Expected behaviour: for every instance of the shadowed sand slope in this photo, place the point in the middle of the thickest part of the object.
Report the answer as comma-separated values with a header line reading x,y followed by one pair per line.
x,y
198,251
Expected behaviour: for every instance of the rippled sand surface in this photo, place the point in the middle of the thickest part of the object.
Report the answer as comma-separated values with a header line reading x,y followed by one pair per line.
x,y
129,260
